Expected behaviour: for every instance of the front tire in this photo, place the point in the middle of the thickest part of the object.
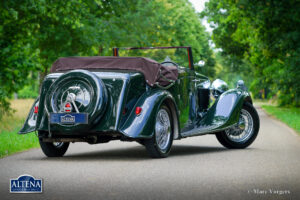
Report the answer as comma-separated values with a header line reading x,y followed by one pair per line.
x,y
159,146
244,132
55,149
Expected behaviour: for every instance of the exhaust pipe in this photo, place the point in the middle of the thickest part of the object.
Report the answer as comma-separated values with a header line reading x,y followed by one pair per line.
x,y
64,140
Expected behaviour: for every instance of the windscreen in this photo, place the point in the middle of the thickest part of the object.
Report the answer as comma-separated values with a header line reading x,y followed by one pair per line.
x,y
169,54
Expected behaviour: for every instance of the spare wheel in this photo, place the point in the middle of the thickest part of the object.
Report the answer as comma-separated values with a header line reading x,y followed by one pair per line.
x,y
77,92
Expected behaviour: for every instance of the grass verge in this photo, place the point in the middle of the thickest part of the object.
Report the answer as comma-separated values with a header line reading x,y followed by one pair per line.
x,y
290,116
10,141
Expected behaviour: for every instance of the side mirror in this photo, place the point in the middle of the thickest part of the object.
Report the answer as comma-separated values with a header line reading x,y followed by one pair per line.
x,y
218,87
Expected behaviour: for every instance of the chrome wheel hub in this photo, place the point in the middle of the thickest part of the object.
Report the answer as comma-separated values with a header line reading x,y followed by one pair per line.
x,y
58,144
243,130
163,129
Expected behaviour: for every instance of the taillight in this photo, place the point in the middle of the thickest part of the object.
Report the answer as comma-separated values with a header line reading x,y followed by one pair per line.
x,y
36,109
138,110
124,111
68,105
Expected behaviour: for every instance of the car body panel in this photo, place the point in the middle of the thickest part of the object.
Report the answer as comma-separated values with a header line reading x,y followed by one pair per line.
x,y
117,84
128,90
223,114
30,123
141,125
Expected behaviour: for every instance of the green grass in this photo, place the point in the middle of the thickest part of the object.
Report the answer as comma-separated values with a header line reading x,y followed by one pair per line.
x,y
290,116
10,141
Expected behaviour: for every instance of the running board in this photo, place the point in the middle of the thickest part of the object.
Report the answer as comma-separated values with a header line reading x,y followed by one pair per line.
x,y
204,130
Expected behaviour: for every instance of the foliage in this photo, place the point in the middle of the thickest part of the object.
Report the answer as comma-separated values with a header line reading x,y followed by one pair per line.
x,y
231,69
34,33
267,35
290,116
10,141
159,23
28,92
17,55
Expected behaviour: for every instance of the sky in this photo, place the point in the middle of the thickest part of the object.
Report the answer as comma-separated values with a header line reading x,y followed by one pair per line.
x,y
199,5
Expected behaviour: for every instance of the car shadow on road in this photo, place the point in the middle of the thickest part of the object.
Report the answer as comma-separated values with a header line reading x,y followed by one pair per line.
x,y
134,153
186,150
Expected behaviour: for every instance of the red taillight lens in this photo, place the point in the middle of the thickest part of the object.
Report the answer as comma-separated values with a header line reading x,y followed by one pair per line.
x,y
68,105
36,109
138,110
124,111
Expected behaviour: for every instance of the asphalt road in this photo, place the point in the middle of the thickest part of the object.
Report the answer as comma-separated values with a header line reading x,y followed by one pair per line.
x,y
198,168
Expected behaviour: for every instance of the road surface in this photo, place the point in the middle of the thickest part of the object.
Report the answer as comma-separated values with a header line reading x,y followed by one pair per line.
x,y
198,168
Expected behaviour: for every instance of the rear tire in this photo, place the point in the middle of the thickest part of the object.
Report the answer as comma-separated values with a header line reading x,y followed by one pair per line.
x,y
159,146
237,137
54,149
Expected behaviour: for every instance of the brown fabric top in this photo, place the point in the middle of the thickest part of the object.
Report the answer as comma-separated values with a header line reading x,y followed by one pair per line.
x,y
150,68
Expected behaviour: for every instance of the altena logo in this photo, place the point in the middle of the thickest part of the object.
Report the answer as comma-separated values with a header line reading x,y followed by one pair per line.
x,y
67,119
26,184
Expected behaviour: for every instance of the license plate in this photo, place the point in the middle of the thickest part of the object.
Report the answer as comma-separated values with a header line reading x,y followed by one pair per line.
x,y
68,118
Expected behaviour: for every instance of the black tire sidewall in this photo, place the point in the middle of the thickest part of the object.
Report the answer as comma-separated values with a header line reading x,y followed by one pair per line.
x,y
151,144
52,151
225,141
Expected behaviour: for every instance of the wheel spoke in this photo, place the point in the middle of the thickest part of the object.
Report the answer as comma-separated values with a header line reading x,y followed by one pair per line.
x,y
162,129
244,128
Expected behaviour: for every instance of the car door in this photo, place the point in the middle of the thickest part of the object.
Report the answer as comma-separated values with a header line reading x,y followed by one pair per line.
x,y
184,93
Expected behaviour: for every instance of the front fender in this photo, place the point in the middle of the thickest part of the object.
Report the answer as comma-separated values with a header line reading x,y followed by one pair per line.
x,y
142,125
226,110
229,106
30,123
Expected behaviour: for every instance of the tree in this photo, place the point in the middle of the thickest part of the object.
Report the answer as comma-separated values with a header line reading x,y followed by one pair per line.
x,y
18,57
34,33
266,33
158,23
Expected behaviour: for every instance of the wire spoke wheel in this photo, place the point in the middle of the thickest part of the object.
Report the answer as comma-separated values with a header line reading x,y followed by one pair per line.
x,y
160,144
162,129
58,144
243,130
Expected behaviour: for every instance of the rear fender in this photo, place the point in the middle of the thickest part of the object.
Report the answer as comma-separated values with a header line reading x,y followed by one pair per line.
x,y
30,123
142,125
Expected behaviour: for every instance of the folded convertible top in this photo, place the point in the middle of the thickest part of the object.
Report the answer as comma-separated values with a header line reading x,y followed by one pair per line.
x,y
154,72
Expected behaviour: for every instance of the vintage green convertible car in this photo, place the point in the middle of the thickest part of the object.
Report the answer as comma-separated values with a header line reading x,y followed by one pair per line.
x,y
133,98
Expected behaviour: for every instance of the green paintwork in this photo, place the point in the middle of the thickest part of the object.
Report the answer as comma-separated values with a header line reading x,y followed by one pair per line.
x,y
117,85
30,123
127,90
142,125
180,92
222,114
